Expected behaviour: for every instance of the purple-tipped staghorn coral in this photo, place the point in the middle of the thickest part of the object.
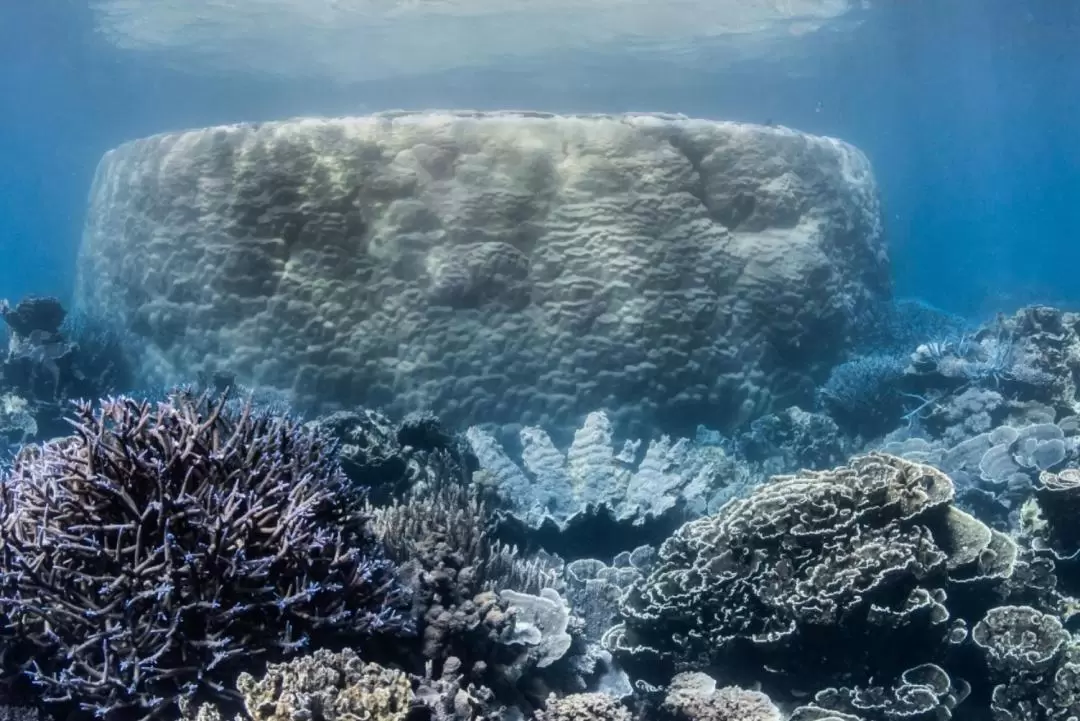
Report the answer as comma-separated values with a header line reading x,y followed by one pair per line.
x,y
163,549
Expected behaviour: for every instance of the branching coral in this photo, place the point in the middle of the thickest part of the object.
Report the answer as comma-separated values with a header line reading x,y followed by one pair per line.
x,y
923,693
152,555
439,535
865,392
327,686
504,640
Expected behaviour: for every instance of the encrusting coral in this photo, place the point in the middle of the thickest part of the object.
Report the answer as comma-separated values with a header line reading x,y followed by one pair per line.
x,y
160,550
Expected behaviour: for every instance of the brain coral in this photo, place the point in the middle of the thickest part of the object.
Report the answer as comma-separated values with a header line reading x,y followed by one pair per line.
x,y
493,267
816,574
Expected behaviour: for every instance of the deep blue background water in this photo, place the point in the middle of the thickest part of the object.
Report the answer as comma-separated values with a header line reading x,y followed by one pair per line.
x,y
968,110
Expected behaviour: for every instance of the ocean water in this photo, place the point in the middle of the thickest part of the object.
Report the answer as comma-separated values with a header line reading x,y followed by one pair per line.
x,y
963,109
714,359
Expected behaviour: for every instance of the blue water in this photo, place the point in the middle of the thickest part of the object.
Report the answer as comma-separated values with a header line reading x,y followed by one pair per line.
x,y
966,108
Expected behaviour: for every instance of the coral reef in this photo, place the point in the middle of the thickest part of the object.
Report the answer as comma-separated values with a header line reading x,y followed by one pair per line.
x,y
439,537
208,558
865,394
392,459
584,707
695,697
923,693
52,358
791,440
158,551
814,576
594,496
996,471
499,617
325,686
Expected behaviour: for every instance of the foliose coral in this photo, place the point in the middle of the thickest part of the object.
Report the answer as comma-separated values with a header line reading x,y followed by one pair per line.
x,y
817,575
1054,531
1049,524
923,693
553,492
594,587
1035,663
160,550
695,697
996,471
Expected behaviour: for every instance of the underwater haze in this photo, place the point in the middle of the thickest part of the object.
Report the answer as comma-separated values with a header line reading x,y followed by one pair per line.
x,y
962,107
579,360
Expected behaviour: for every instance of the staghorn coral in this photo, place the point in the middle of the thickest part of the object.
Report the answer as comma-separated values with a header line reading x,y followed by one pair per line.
x,y
864,394
820,576
327,686
792,439
438,534
151,556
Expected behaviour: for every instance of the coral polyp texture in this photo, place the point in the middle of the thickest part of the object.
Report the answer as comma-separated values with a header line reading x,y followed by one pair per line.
x,y
158,551
511,268
818,575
